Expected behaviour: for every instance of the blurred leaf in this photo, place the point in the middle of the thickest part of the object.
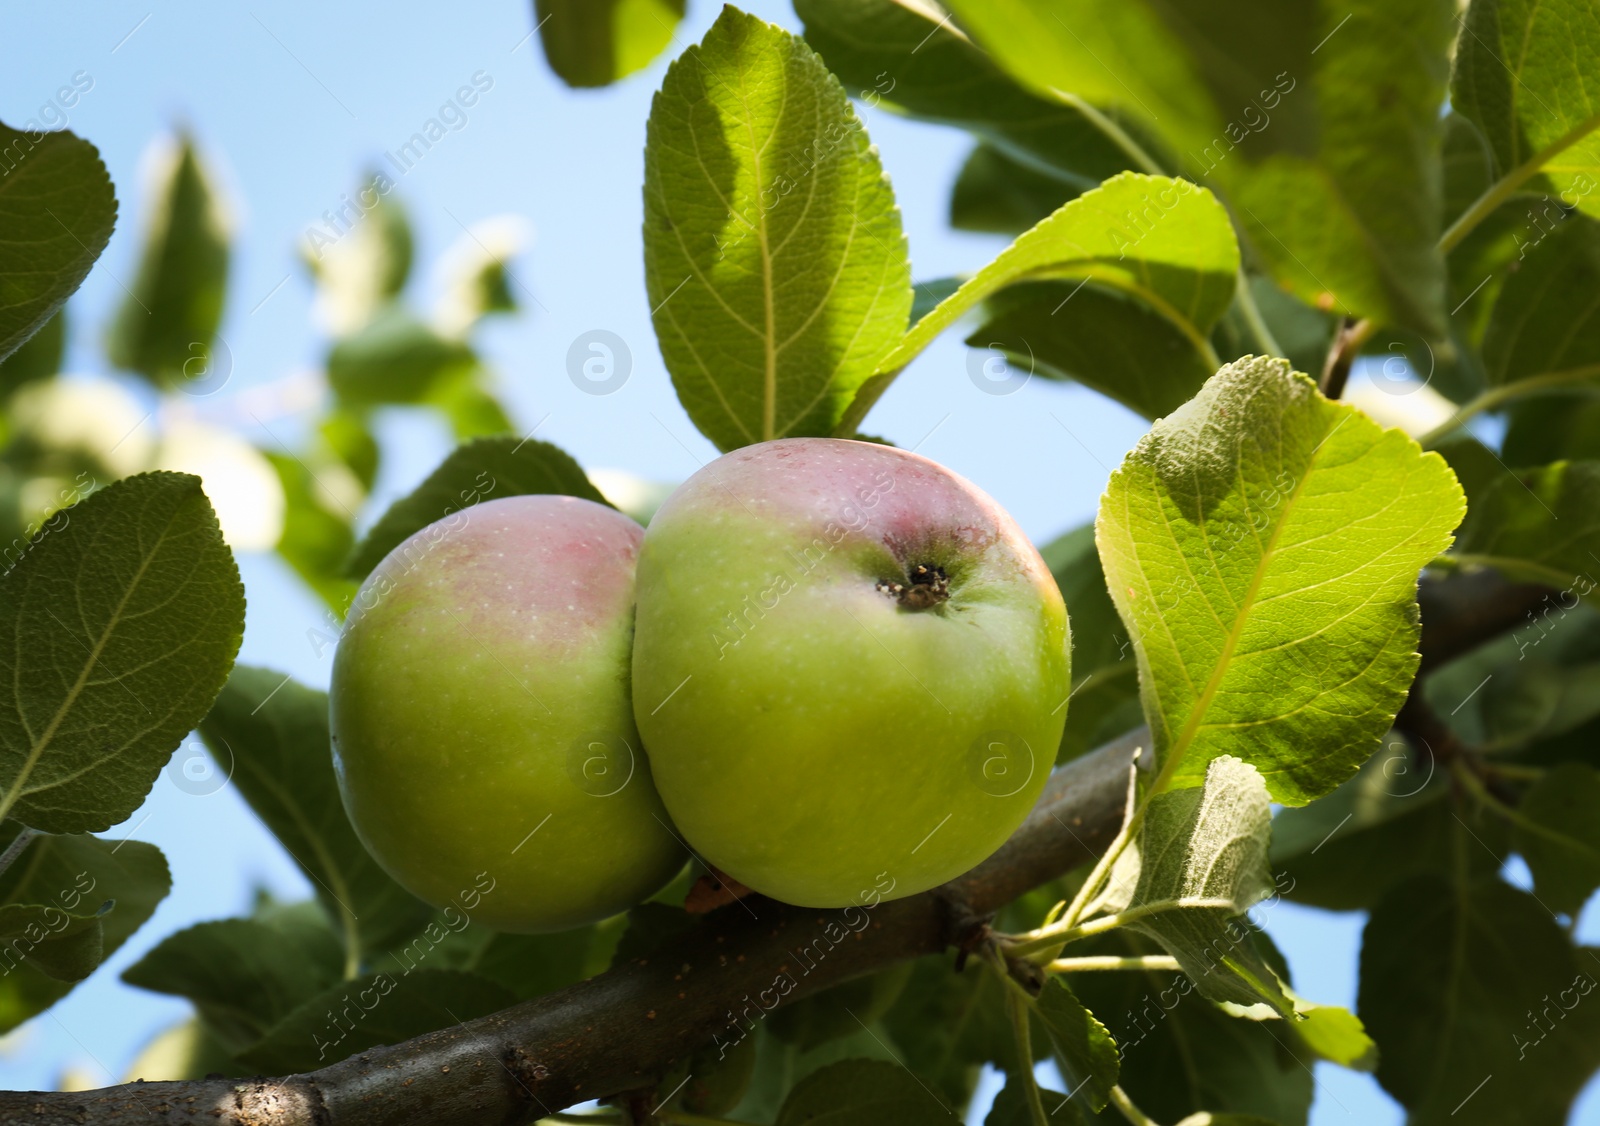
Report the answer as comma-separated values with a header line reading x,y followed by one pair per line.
x,y
1543,428
317,537
351,441
1010,1108
997,194
473,412
57,207
1162,241
649,925
1392,821
38,358
1518,526
842,1009
771,311
1302,332
596,42
1180,1053
861,1093
395,358
1504,977
1085,1050
1557,830
1226,514
165,328
243,975
187,1050
1475,465
352,1016
531,965
474,275
947,1025
912,57
1326,143
360,263
485,469
1200,862
270,735
1102,339
124,625
1545,327
716,1083
1524,74
76,871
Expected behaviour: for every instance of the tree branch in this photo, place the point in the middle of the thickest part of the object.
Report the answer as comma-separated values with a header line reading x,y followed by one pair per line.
x,y
621,1030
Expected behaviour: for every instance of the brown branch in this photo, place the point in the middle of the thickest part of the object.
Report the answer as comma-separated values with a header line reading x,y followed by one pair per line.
x,y
1342,355
619,1031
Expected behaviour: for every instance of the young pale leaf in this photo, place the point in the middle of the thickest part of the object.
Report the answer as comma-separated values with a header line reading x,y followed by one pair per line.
x,y
124,624
270,735
1544,330
1165,242
1558,833
243,975
1506,996
1262,545
352,1016
1201,861
1334,1034
862,1093
774,259
57,208
487,469
165,327
1525,74
76,873
396,358
1542,525
1085,1050
1102,339
596,42
914,58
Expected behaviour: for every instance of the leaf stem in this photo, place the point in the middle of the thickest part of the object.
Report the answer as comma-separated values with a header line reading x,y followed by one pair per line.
x,y
15,849
1504,393
1017,1010
1133,1114
1157,962
1114,133
1502,189
1252,316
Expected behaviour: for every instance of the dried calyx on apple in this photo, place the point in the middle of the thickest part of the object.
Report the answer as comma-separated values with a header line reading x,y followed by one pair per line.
x,y
926,586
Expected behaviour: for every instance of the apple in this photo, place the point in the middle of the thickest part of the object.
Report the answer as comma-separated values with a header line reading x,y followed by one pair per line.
x,y
483,735
850,669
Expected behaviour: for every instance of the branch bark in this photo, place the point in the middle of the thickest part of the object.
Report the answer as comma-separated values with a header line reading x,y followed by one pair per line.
x,y
619,1031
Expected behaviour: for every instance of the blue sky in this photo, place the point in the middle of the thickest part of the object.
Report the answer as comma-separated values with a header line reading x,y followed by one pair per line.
x,y
291,101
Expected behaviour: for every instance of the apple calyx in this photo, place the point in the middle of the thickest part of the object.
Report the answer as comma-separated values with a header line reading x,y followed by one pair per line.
x,y
925,587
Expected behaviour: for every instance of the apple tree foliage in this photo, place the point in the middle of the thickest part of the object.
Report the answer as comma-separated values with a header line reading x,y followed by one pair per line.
x,y
1207,202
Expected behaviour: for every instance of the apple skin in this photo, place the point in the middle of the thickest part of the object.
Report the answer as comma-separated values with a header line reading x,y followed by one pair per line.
x,y
812,736
480,693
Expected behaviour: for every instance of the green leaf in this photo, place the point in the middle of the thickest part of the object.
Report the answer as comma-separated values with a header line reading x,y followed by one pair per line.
x,y
1334,1034
1544,330
1165,242
57,209
947,1025
1199,862
271,735
861,1093
243,975
911,56
1392,821
39,357
73,872
317,536
530,965
1557,830
591,43
1181,1054
49,915
1524,74
1086,1052
1541,525
124,625
775,264
394,359
1500,1028
841,1010
1262,545
1302,332
352,1016
165,327
1326,141
486,469
1100,338
1544,427
1011,1108
997,194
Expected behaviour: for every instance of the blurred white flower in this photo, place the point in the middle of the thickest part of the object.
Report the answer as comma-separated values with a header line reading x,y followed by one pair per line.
x,y
90,415
240,483
635,495
471,274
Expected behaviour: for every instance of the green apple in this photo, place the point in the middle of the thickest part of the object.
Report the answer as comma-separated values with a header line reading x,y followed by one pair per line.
x,y
850,669
482,731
